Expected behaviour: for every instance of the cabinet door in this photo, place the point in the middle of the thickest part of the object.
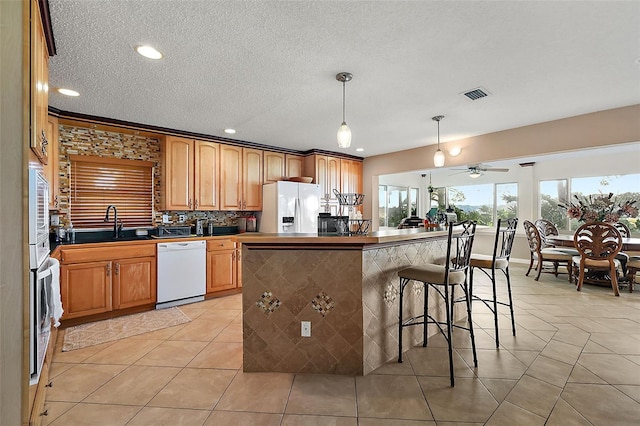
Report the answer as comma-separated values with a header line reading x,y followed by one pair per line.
x,y
178,174
39,86
221,270
294,166
321,175
134,282
351,176
274,166
333,177
239,265
51,171
86,288
206,175
230,177
252,179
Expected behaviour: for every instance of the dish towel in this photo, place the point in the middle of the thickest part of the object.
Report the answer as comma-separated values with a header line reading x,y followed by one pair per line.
x,y
55,300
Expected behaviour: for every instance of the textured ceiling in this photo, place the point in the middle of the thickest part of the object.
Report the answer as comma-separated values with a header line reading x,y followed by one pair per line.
x,y
267,68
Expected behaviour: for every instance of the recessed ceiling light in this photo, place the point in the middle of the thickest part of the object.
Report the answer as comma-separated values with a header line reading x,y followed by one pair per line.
x,y
68,92
360,149
230,131
149,52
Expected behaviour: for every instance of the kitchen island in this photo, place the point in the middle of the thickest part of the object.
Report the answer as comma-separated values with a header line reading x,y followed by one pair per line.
x,y
346,286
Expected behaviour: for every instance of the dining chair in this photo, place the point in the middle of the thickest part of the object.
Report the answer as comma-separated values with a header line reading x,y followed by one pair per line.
x,y
633,266
598,244
540,254
623,229
489,264
443,279
546,228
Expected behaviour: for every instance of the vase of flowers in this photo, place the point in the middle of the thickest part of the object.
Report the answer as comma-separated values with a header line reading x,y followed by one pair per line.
x,y
599,208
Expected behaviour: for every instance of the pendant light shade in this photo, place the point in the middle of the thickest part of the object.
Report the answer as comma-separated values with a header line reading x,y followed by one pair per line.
x,y
344,132
438,157
344,136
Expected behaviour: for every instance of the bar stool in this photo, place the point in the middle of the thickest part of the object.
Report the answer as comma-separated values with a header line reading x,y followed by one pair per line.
x,y
489,264
443,279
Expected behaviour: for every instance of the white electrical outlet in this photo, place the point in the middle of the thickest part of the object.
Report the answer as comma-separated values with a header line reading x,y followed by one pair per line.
x,y
165,218
305,328
55,220
182,218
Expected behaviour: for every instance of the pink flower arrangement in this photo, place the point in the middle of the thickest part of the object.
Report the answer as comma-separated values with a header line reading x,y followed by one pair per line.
x,y
599,208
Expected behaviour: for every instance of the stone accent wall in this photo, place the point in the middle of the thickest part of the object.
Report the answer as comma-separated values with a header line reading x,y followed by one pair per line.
x,y
99,143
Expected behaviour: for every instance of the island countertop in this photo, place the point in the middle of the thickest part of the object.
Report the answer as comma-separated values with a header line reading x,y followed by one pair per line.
x,y
379,237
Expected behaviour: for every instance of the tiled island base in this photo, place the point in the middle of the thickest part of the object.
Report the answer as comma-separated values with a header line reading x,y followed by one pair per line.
x,y
348,292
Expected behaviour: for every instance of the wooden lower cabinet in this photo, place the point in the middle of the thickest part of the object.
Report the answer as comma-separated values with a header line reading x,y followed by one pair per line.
x,y
134,282
98,280
86,288
222,265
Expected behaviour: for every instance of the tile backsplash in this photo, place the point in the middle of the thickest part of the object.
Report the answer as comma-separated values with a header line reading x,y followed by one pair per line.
x,y
75,140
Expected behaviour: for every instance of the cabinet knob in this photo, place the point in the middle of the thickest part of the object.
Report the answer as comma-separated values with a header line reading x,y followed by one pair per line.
x,y
196,204
45,413
189,202
56,201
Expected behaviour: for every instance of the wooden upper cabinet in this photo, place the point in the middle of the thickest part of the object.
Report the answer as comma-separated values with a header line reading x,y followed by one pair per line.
x,y
252,179
206,190
39,140
294,165
351,176
240,178
178,175
50,169
274,166
325,171
230,177
190,174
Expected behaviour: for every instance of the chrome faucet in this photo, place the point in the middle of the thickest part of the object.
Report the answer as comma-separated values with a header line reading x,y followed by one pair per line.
x,y
115,220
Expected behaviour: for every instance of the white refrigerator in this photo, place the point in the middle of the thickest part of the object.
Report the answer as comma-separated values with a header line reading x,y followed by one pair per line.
x,y
290,207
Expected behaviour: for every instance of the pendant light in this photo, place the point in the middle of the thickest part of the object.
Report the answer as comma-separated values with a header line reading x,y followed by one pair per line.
x,y
344,133
438,157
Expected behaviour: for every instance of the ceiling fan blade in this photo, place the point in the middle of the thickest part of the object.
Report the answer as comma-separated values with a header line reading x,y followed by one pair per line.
x,y
494,170
459,173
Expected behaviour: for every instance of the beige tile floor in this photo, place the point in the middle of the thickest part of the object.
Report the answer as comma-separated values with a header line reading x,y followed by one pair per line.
x,y
575,361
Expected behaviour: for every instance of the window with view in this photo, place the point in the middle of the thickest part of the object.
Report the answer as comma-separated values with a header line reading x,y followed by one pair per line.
x,y
552,192
484,203
396,203
623,187
97,182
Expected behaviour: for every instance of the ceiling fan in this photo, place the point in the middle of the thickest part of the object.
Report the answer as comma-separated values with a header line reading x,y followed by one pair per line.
x,y
477,170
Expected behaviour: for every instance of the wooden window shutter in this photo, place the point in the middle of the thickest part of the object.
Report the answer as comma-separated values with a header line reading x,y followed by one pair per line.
x,y
97,182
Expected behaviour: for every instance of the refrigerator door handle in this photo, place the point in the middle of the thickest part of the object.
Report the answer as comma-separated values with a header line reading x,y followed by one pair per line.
x,y
296,216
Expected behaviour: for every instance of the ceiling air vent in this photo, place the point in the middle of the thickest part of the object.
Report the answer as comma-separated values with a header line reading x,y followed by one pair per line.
x,y
476,93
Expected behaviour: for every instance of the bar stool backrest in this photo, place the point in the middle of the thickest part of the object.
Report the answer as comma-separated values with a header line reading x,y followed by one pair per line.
x,y
504,239
459,245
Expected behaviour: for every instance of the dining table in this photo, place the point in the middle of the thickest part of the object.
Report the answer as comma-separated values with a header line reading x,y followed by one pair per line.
x,y
565,240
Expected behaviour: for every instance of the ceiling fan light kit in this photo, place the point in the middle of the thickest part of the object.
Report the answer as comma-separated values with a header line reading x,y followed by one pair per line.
x,y
344,132
438,157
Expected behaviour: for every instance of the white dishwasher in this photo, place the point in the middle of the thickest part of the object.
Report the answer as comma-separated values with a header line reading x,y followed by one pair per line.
x,y
182,273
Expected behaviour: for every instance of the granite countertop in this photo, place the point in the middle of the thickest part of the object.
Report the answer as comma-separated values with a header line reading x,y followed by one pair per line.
x,y
379,237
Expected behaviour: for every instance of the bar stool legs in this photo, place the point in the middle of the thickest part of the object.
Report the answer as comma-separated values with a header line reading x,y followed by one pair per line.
x,y
493,303
425,319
